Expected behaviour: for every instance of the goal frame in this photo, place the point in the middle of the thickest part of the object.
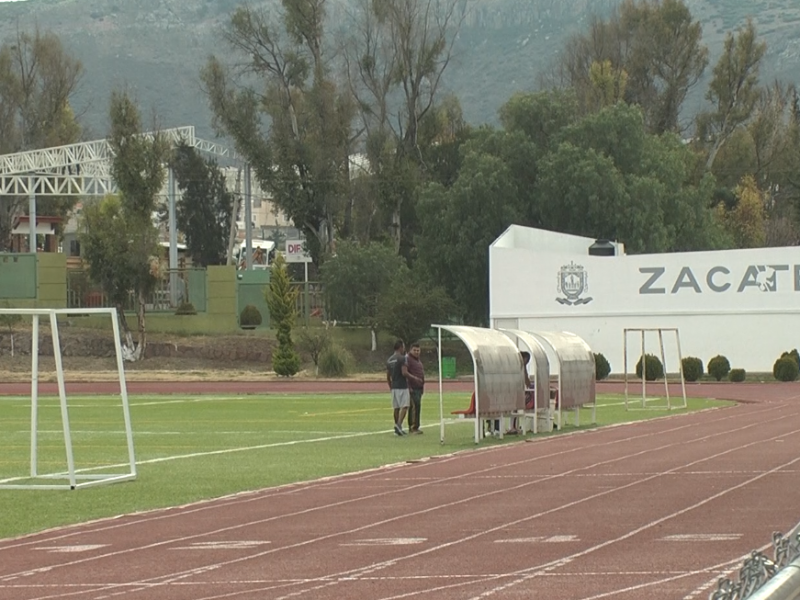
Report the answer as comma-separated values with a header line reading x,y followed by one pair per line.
x,y
643,331
73,478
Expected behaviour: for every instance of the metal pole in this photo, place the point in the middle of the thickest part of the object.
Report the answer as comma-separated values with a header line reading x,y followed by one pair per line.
x,y
173,240
34,395
248,218
441,391
307,309
31,216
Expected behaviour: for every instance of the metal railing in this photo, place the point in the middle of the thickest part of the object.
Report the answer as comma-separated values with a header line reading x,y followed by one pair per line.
x,y
310,300
762,578
172,289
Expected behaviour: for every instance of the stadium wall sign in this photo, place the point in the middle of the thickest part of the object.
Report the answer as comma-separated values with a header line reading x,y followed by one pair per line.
x,y
741,303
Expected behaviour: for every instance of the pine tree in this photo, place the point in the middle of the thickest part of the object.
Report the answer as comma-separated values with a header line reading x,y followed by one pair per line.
x,y
281,299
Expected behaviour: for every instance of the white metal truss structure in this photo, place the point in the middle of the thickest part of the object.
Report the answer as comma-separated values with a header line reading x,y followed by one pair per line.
x,y
81,169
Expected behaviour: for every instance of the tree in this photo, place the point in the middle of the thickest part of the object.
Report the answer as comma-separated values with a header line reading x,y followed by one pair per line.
x,y
303,156
610,178
733,91
10,321
459,224
314,341
411,304
396,62
121,251
651,50
205,208
119,238
746,222
37,79
355,278
281,299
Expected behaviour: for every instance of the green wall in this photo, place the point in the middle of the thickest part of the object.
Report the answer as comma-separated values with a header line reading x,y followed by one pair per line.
x,y
34,280
17,276
51,280
216,294
250,290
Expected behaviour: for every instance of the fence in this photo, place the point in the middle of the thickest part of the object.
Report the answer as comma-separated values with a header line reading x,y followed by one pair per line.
x,y
189,285
310,300
172,288
762,578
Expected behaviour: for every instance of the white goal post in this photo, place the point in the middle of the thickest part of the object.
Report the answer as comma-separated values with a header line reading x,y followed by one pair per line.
x,y
647,402
74,477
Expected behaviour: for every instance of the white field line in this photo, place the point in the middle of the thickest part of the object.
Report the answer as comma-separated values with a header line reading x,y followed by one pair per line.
x,y
525,573
225,502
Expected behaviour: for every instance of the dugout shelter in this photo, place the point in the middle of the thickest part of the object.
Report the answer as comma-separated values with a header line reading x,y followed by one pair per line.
x,y
499,385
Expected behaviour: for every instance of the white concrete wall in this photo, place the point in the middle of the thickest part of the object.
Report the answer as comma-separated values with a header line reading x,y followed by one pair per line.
x,y
744,304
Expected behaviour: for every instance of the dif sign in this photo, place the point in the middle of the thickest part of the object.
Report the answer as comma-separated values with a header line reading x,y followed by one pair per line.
x,y
295,252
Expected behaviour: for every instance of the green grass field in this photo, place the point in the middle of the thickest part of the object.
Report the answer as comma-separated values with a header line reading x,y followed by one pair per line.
x,y
192,448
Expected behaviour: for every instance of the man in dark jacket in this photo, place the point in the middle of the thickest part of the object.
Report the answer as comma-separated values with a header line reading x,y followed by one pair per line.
x,y
416,386
397,376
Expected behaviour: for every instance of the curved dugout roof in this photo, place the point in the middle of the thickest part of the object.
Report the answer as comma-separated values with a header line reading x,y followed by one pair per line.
x,y
541,364
576,376
500,384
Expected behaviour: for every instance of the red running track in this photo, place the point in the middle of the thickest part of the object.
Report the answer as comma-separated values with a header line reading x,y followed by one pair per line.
x,y
656,509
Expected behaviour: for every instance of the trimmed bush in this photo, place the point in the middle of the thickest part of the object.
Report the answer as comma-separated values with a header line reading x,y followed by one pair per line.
x,y
602,368
186,308
653,367
719,367
250,316
794,354
692,368
785,369
737,375
335,361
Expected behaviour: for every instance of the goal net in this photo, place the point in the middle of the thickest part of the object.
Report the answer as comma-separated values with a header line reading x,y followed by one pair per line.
x,y
656,395
50,440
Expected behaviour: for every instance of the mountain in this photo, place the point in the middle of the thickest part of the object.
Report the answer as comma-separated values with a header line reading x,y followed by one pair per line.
x,y
157,47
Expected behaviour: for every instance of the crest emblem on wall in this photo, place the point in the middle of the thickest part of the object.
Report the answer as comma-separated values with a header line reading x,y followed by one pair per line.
x,y
573,283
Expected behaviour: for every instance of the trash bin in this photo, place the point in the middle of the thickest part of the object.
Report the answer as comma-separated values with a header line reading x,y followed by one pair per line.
x,y
449,367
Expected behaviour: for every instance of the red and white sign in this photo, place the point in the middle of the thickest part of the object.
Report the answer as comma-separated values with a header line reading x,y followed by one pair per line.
x,y
295,253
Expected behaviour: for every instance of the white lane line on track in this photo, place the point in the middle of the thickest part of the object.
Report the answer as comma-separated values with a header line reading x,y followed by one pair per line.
x,y
701,537
522,574
454,457
368,475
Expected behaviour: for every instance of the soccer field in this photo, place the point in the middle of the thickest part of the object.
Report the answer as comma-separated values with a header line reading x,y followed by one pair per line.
x,y
193,448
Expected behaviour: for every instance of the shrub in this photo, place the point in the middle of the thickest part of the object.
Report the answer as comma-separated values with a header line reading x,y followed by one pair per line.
x,y
692,368
314,341
794,355
186,308
250,316
281,300
719,367
785,369
737,375
653,367
602,368
335,361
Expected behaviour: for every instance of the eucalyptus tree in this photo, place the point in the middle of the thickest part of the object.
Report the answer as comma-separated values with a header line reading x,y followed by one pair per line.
x,y
396,62
281,105
651,52
734,89
119,238
38,77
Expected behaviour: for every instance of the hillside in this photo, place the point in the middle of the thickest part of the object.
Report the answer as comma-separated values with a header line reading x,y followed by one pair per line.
x,y
156,47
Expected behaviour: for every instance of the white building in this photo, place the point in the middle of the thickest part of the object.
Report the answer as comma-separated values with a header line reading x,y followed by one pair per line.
x,y
743,304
